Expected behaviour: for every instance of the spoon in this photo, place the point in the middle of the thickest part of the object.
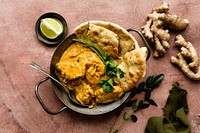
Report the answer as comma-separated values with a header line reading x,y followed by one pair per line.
x,y
70,93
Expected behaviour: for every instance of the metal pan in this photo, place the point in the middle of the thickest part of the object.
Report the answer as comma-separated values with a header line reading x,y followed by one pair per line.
x,y
63,96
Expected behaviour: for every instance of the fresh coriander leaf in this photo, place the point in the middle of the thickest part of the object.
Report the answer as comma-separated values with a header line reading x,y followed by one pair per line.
x,y
105,85
134,106
111,68
134,118
111,65
111,82
152,102
108,58
107,88
121,73
126,116
102,82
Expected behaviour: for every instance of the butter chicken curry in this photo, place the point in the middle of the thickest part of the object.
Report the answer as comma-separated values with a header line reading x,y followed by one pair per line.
x,y
82,70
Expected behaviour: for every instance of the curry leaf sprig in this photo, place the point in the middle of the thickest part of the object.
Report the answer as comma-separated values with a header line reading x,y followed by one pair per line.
x,y
147,87
110,66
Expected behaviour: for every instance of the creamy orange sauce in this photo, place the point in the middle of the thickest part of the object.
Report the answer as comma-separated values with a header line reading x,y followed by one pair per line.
x,y
80,69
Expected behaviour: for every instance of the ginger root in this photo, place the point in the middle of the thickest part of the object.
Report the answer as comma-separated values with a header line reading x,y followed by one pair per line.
x,y
156,28
187,59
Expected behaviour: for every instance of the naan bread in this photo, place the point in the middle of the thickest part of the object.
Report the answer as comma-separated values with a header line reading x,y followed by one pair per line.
x,y
126,41
132,58
134,67
105,39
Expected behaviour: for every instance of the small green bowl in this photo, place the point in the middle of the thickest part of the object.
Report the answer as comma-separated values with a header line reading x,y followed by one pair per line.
x,y
43,38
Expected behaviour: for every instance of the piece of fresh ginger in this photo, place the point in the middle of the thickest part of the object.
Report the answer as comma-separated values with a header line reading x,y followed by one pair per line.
x,y
156,28
187,59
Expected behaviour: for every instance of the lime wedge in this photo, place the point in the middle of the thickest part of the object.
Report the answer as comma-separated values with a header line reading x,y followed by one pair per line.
x,y
51,28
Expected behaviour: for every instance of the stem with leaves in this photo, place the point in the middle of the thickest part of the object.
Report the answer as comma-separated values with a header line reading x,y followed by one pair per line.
x,y
147,87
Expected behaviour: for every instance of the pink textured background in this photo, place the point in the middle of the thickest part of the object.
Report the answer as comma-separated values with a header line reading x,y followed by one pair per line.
x,y
19,109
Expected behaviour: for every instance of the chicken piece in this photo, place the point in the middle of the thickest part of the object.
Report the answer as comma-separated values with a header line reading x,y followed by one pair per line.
x,y
70,70
94,72
84,93
103,97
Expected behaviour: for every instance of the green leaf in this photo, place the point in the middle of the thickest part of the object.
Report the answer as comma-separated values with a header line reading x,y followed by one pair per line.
x,y
107,88
126,116
134,118
140,103
140,87
106,85
133,92
157,80
111,81
134,106
118,110
111,68
121,73
148,93
149,81
102,82
143,105
152,102
130,102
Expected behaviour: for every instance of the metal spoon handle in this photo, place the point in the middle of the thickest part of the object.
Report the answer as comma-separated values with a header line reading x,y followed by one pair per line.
x,y
37,67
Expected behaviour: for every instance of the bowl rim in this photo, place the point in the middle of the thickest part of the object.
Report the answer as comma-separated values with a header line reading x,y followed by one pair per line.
x,y
63,96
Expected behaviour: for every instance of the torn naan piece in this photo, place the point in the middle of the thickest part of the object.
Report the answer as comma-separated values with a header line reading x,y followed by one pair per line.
x,y
107,40
126,42
134,67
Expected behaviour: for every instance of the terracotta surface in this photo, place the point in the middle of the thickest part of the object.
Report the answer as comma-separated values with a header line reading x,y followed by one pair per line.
x,y
19,109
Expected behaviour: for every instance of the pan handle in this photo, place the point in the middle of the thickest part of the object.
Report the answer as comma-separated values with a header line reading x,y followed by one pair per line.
x,y
145,41
40,100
